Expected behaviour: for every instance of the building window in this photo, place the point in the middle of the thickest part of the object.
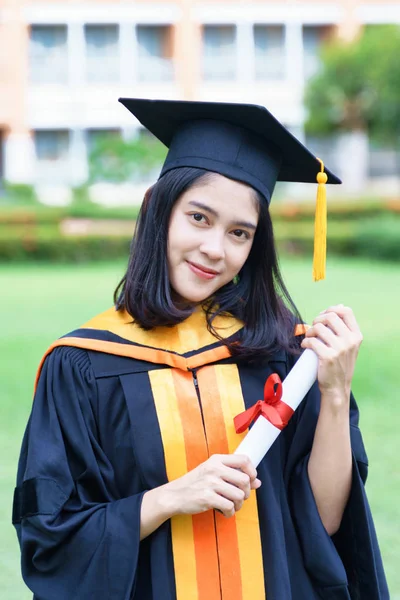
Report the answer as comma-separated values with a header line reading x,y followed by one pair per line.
x,y
269,43
383,160
219,52
155,53
51,146
313,38
48,57
102,63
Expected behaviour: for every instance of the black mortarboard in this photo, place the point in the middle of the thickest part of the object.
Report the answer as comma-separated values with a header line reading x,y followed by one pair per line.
x,y
241,141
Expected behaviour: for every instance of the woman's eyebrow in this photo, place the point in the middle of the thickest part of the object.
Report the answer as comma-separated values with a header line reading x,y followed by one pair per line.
x,y
204,207
215,214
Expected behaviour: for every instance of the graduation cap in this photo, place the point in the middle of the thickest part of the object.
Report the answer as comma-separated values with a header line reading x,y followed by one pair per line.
x,y
244,142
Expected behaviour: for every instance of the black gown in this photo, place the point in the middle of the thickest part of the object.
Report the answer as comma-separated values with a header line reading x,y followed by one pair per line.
x,y
104,429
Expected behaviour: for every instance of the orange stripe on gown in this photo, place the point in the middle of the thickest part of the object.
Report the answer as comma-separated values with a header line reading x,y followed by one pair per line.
x,y
236,572
196,452
239,542
182,432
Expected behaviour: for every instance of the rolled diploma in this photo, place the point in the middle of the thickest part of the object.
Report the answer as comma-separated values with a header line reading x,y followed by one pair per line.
x,y
294,388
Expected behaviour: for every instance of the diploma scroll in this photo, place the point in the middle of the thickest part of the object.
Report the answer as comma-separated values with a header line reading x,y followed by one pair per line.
x,y
294,388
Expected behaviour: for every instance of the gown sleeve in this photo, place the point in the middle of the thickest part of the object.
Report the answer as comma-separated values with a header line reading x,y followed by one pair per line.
x,y
352,555
78,539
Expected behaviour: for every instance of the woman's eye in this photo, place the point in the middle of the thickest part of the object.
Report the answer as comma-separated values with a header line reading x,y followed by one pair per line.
x,y
198,217
240,233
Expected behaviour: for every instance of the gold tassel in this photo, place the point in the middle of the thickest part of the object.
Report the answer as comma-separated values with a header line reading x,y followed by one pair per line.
x,y
320,227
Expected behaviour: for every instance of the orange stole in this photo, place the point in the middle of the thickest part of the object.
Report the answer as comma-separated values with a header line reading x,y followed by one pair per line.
x,y
214,558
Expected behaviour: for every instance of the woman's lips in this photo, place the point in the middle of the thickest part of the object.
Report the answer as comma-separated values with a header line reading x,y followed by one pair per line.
x,y
201,272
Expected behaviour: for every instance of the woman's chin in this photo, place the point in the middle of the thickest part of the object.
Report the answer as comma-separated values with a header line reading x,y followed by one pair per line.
x,y
192,297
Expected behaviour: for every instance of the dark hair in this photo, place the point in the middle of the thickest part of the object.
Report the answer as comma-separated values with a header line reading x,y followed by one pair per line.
x,y
260,299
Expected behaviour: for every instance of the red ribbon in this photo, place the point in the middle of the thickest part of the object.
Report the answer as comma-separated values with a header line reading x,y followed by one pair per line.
x,y
278,413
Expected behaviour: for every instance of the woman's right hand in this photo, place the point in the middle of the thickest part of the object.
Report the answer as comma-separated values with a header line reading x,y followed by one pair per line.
x,y
223,482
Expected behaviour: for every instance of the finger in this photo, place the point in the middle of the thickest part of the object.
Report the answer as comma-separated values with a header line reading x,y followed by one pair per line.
x,y
345,313
231,493
244,483
325,334
224,506
321,350
236,477
334,322
240,461
255,484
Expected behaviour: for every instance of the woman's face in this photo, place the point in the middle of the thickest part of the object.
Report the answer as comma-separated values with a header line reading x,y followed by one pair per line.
x,y
210,235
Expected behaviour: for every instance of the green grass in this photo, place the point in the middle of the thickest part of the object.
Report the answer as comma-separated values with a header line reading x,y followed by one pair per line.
x,y
40,303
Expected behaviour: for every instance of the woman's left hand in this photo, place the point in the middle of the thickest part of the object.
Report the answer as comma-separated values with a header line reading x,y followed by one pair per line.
x,y
336,338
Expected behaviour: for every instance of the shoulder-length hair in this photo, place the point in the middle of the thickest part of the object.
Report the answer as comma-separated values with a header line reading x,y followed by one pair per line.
x,y
260,298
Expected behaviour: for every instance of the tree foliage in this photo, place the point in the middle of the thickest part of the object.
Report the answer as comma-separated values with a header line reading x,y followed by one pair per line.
x,y
358,86
116,160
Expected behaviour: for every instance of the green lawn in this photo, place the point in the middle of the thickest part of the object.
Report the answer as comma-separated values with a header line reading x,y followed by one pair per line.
x,y
40,303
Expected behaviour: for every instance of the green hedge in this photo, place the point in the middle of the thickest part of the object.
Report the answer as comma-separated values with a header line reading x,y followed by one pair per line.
x,y
56,248
374,238
377,239
45,214
337,211
281,211
369,229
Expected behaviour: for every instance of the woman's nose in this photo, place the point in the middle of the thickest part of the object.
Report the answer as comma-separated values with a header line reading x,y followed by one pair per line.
x,y
213,246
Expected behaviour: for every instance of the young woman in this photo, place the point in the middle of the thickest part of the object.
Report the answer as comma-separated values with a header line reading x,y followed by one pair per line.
x,y
127,486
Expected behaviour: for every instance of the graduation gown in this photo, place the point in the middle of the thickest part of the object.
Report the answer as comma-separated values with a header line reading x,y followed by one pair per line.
x,y
118,411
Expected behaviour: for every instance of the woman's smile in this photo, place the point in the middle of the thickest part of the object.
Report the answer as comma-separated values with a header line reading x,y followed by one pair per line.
x,y
202,272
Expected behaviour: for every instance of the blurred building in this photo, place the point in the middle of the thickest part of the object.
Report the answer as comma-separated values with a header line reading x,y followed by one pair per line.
x,y
64,63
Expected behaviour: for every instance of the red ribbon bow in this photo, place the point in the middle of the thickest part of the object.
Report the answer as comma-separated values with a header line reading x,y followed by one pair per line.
x,y
278,413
